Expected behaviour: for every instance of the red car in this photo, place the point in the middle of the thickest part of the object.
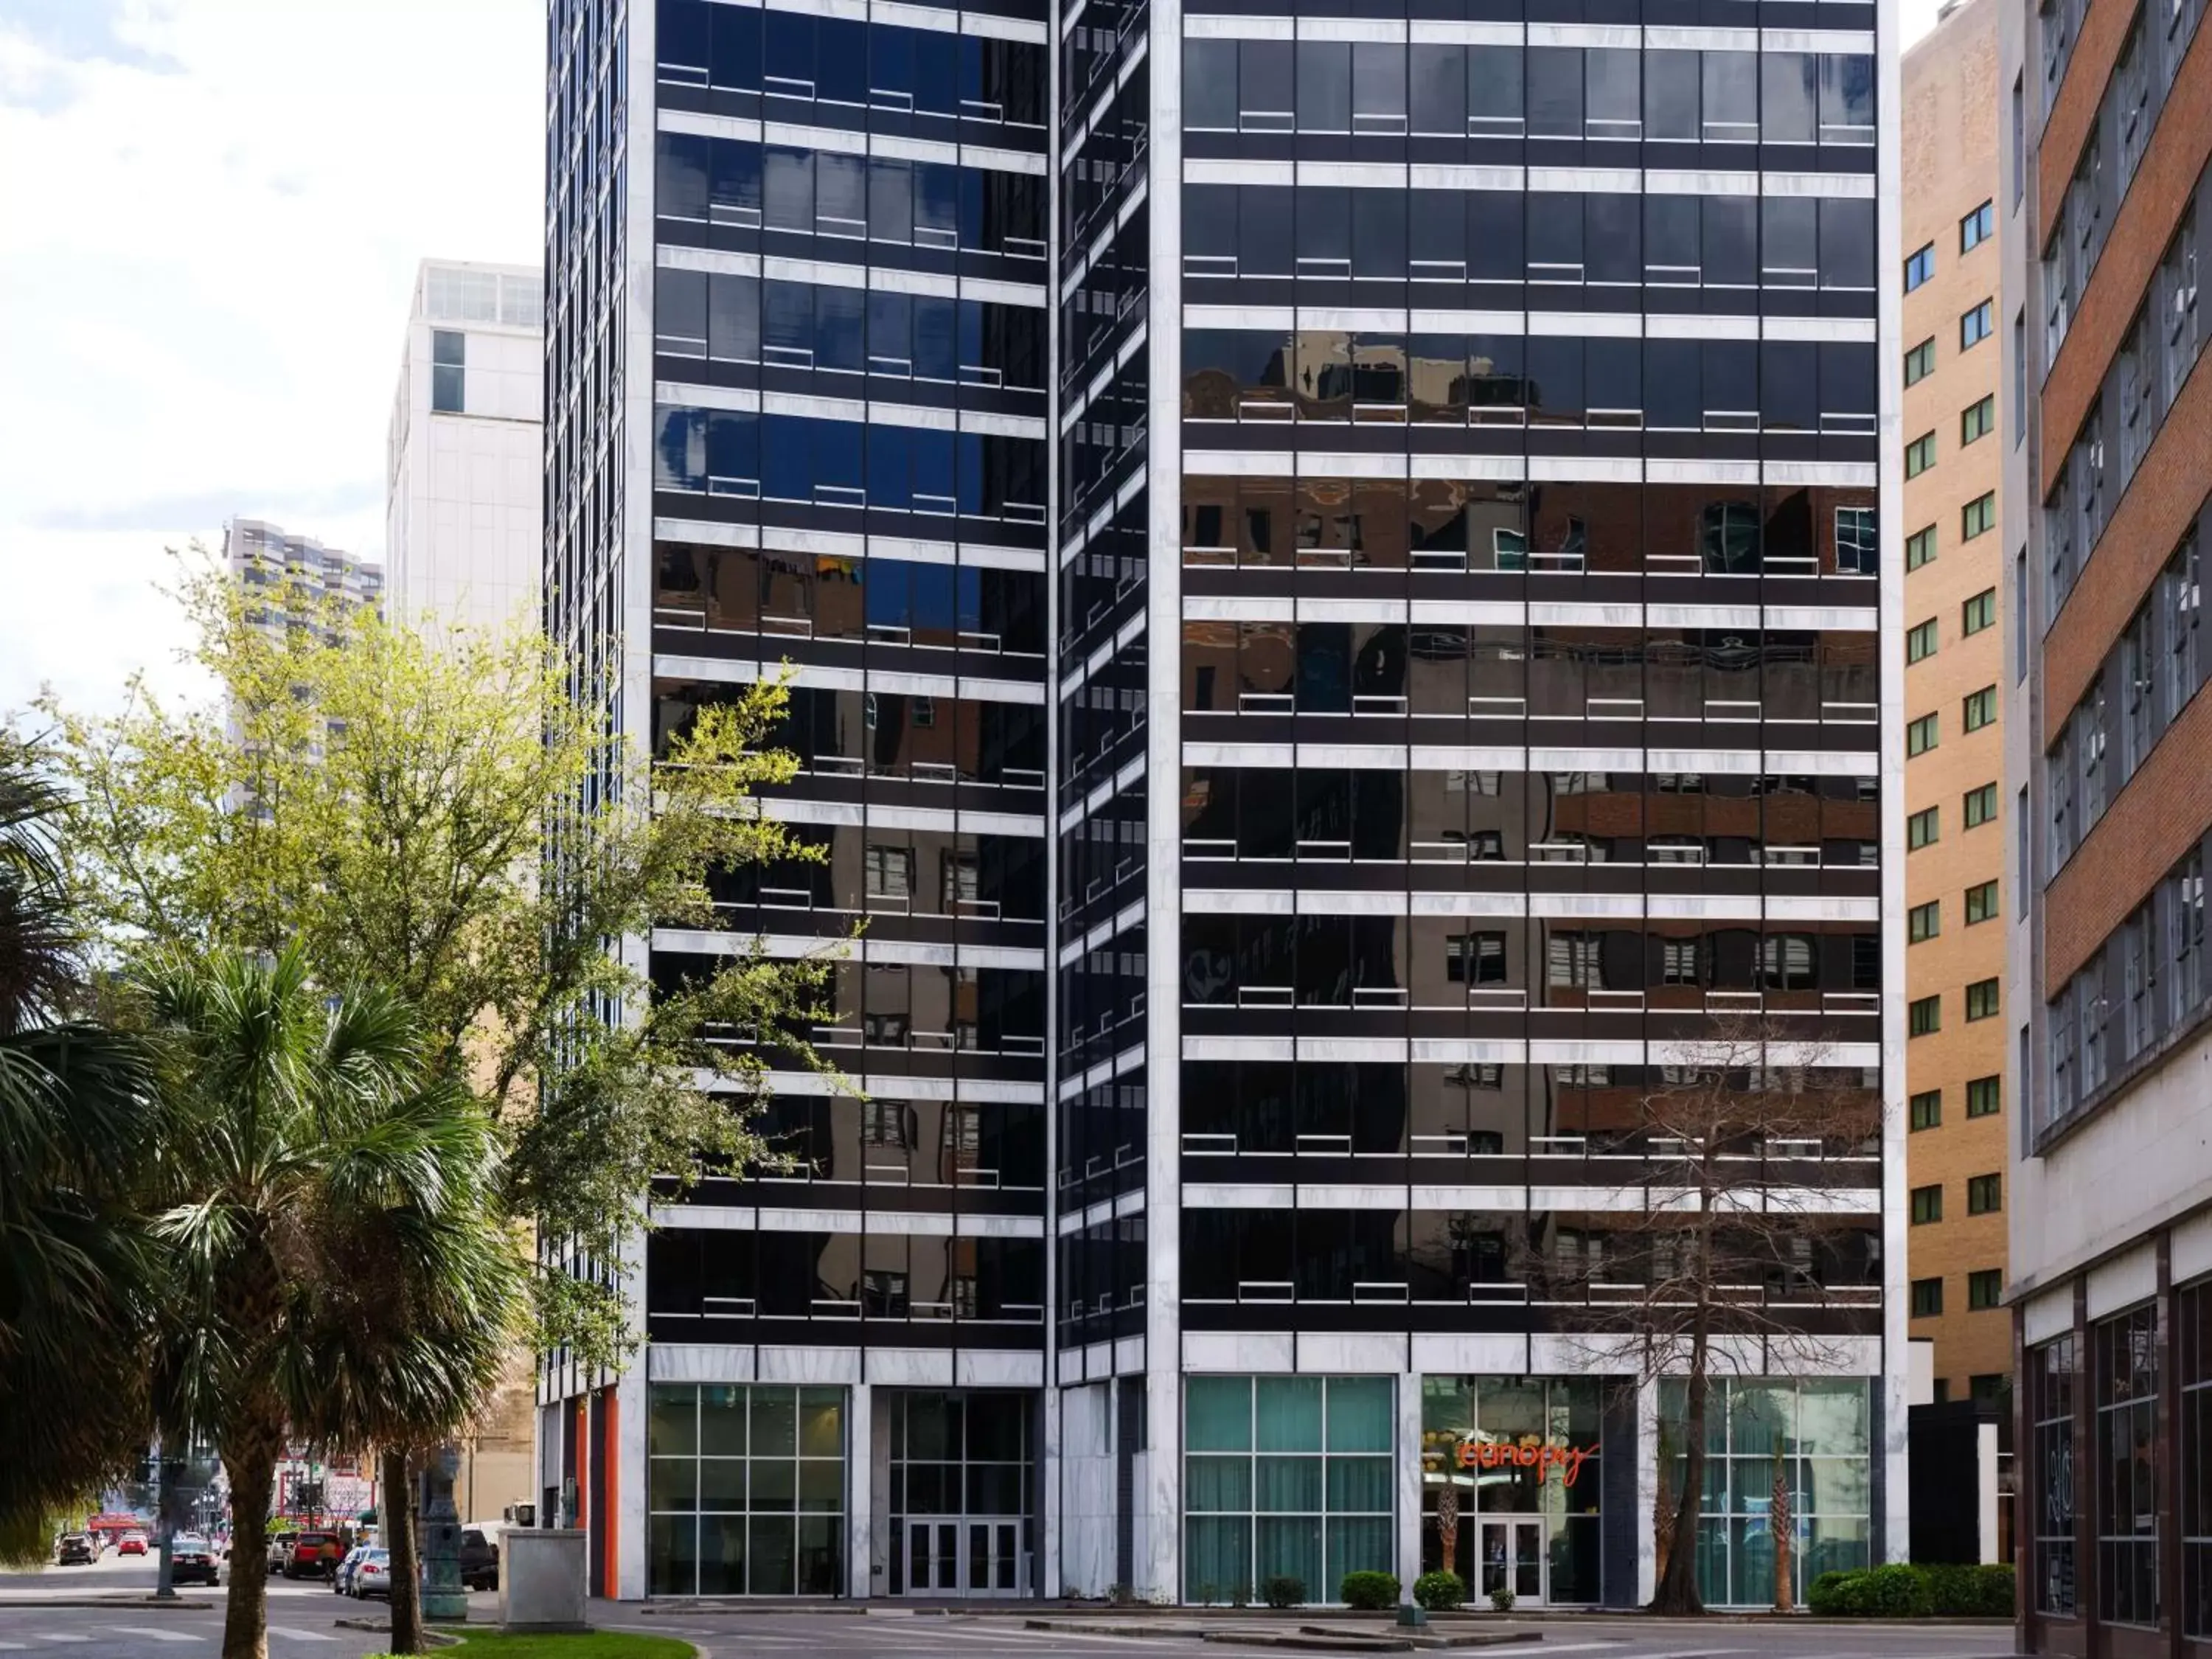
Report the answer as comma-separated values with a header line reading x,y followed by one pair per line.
x,y
310,1553
131,1543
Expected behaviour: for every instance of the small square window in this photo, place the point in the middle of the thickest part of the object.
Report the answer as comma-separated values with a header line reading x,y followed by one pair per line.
x,y
1926,1108
1984,1195
1922,735
1981,806
1927,1298
1920,547
1920,641
1923,1016
1984,1097
1920,267
1977,228
1920,455
1978,324
448,371
1982,1000
1977,420
1923,829
1927,1205
1981,901
1924,921
1920,361
1978,612
1980,708
1979,517
1984,1387
1985,1289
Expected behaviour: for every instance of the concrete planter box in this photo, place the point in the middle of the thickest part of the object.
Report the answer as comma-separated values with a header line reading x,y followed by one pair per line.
x,y
541,1579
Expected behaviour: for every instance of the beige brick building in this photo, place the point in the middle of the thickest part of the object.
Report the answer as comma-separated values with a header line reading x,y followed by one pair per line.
x,y
1954,1058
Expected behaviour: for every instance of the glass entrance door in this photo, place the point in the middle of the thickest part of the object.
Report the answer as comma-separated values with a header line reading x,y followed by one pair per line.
x,y
1512,1559
963,1558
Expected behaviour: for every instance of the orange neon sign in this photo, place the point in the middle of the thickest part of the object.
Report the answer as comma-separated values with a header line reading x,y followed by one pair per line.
x,y
1527,1454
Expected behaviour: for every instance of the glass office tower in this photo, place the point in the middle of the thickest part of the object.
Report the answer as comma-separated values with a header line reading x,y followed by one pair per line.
x,y
1357,535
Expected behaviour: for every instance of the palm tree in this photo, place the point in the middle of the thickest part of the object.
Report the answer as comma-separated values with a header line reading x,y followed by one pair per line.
x,y
337,1275
73,1105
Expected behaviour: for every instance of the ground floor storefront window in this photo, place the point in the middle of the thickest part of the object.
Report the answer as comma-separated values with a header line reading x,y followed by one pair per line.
x,y
1286,1477
960,1474
1807,1442
1509,1487
2193,1345
744,1489
2125,1448
2052,1377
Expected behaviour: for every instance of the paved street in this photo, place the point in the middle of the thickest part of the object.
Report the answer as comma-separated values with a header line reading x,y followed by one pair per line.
x,y
301,1627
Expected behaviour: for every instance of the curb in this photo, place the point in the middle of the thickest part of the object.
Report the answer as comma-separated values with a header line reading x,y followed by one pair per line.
x,y
9,1604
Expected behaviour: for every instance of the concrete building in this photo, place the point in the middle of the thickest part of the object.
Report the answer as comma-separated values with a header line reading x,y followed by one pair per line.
x,y
2103,207
260,554
1347,614
464,478
1954,561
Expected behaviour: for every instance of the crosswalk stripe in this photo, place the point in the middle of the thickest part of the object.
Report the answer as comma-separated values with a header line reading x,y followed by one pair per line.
x,y
299,1635
156,1634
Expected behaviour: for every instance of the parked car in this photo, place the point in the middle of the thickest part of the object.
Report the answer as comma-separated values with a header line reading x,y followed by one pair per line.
x,y
131,1543
372,1576
310,1553
479,1559
192,1560
341,1580
75,1549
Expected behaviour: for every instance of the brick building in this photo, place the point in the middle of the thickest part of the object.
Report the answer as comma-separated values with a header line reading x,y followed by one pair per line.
x,y
2110,113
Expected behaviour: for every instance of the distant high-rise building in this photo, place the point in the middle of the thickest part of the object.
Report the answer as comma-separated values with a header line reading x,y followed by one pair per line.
x,y
1953,580
261,554
2105,210
465,463
1342,592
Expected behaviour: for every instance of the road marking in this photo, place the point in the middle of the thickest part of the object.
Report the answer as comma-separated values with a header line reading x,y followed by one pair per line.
x,y
58,1636
156,1634
299,1635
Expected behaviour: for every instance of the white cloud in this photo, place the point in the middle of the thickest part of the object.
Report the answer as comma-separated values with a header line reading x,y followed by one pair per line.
x,y
205,276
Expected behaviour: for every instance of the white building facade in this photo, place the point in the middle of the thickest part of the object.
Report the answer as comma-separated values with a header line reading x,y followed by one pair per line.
x,y
463,460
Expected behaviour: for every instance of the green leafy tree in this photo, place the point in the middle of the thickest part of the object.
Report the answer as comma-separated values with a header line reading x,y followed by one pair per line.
x,y
337,1269
439,816
73,1261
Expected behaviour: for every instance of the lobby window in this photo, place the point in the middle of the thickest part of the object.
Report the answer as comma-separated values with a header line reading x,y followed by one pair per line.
x,y
2125,1458
1981,901
1977,516
2053,1376
2193,1323
1472,1411
1920,361
1927,1205
1820,1433
1979,708
1920,547
1923,735
1923,1016
1977,227
1923,829
1920,267
1920,641
1977,420
1978,612
1927,1298
1920,454
1924,921
746,1490
1984,1097
1978,324
448,370
1286,1475
1926,1108
1982,1000
1984,1195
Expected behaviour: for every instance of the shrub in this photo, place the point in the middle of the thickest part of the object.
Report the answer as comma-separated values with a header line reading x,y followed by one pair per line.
x,y
1996,1594
1439,1592
1501,1599
1370,1592
1824,1595
1283,1590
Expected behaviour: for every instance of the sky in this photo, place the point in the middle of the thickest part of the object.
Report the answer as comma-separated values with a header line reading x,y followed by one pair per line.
x,y
213,212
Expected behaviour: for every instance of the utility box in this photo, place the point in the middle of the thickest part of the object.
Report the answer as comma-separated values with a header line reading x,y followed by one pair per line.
x,y
541,1579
